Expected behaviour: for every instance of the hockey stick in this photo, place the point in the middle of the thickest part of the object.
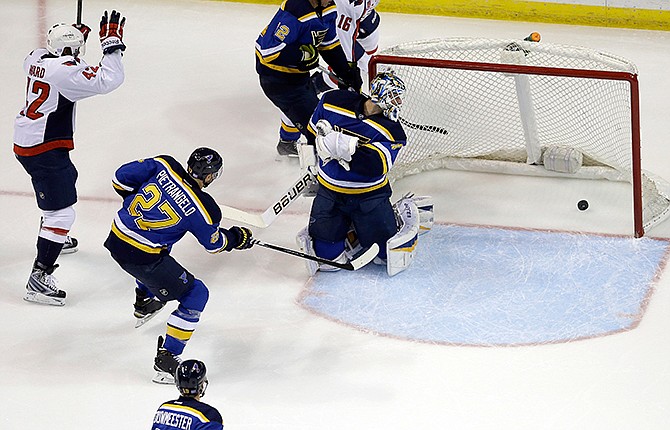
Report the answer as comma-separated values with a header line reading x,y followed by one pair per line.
x,y
266,218
403,121
79,6
354,264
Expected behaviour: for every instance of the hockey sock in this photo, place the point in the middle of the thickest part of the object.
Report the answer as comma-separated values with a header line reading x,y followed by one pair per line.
x,y
48,251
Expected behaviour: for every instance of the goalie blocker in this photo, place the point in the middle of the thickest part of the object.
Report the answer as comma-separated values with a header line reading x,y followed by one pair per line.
x,y
414,216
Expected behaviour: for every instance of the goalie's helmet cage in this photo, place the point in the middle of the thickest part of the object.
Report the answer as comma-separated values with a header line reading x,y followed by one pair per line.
x,y
61,36
191,378
387,91
203,162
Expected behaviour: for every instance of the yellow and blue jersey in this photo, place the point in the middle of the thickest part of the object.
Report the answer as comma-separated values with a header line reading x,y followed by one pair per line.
x,y
296,23
380,140
161,204
187,413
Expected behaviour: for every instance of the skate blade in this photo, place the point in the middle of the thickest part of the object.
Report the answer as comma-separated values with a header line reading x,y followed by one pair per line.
x,y
69,250
163,378
141,321
35,297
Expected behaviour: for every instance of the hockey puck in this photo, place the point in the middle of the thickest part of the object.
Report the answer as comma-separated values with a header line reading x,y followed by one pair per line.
x,y
582,205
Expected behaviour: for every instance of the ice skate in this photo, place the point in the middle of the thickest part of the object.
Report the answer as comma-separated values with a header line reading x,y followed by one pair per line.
x,y
165,364
41,287
70,245
287,148
145,307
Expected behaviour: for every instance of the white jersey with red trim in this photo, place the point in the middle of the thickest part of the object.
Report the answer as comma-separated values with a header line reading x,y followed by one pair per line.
x,y
54,85
350,13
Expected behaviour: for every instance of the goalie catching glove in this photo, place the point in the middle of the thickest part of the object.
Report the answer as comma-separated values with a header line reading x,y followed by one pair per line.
x,y
334,145
238,238
111,32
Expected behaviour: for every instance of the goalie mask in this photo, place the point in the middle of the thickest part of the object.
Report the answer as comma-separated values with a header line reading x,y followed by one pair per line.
x,y
387,91
62,36
204,162
191,378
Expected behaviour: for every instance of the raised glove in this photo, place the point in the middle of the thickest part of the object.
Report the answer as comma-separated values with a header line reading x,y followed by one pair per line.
x,y
239,238
336,146
111,32
310,58
353,81
85,30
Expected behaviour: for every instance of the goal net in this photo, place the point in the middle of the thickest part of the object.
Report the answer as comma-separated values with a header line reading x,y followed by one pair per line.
x,y
522,107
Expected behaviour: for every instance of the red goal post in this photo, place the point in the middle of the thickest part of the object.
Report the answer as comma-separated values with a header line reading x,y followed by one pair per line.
x,y
504,106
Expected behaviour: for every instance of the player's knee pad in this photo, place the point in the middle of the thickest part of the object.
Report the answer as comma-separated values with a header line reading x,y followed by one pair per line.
x,y
57,224
424,204
400,248
197,297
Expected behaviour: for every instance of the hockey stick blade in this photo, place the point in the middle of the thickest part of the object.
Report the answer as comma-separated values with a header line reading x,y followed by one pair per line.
x,y
403,121
354,264
266,218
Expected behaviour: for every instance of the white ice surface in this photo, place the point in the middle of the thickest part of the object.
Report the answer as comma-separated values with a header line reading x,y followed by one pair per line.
x,y
273,365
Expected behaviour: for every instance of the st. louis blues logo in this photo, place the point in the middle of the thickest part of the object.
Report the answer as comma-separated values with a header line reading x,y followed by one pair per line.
x,y
183,278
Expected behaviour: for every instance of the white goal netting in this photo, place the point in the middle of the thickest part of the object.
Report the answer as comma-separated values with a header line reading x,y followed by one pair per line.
x,y
499,105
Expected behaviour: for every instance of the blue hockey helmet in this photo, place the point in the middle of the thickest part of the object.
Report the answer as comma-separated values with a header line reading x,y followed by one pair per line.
x,y
204,162
387,91
191,378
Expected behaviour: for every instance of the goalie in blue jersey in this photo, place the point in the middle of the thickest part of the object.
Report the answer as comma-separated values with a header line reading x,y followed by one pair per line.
x,y
357,141
162,202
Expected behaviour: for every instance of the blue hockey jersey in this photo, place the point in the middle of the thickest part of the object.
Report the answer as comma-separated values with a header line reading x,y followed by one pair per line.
x,y
380,140
187,414
296,23
161,204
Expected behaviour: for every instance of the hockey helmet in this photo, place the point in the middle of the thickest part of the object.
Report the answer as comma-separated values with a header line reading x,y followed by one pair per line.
x,y
61,36
191,378
387,91
203,162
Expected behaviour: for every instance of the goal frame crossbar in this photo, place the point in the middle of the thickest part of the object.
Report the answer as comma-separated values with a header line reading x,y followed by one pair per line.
x,y
631,78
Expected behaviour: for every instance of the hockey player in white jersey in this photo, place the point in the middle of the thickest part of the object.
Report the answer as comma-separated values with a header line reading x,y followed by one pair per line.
x,y
44,134
357,27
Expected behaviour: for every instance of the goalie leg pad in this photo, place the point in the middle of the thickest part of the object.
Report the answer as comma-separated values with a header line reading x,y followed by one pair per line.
x,y
426,213
400,248
304,241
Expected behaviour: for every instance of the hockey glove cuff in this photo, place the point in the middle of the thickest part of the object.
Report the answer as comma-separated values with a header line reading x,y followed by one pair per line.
x,y
336,146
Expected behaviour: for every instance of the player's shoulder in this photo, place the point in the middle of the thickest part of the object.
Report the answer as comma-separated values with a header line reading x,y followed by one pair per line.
x,y
203,410
303,11
207,201
341,98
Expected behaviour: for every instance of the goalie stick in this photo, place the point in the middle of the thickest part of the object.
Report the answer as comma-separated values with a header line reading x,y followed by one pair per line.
x,y
354,264
403,121
266,218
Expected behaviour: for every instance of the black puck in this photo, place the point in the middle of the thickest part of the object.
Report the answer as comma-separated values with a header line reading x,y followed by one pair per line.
x,y
582,205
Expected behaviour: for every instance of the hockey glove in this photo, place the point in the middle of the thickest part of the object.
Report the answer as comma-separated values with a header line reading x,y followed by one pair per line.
x,y
85,30
111,32
353,81
310,58
239,238
336,146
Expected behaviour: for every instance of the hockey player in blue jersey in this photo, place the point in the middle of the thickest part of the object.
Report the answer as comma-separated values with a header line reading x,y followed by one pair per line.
x,y
301,32
358,139
188,412
162,202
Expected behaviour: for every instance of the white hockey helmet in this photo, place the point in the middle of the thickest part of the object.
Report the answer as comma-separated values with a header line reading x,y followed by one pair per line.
x,y
387,91
61,36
